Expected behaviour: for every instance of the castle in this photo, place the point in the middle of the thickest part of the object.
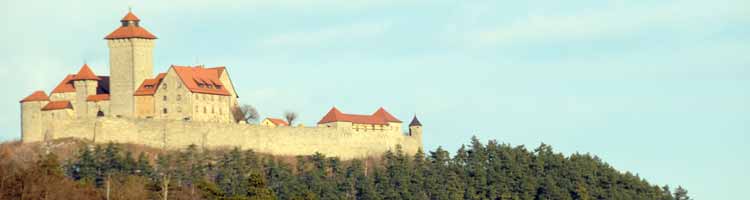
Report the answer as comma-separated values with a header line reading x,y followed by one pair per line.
x,y
189,105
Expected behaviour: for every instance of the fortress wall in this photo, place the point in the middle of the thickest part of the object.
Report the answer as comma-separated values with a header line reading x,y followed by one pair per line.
x,y
172,134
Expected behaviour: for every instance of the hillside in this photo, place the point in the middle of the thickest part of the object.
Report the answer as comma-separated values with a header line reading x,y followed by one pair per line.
x,y
76,169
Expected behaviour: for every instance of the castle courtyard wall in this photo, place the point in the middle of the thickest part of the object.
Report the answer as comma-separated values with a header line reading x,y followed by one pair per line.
x,y
175,134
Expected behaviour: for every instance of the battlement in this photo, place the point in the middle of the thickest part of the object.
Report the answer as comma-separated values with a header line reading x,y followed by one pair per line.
x,y
174,134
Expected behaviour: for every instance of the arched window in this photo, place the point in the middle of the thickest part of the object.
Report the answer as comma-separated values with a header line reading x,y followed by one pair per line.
x,y
100,114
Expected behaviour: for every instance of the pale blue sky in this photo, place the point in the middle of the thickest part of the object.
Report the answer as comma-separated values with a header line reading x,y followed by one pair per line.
x,y
658,88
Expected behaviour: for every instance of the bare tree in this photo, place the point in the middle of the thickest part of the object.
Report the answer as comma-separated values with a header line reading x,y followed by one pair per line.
x,y
246,113
290,117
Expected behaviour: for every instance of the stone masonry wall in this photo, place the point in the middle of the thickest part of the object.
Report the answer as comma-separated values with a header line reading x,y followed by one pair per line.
x,y
174,134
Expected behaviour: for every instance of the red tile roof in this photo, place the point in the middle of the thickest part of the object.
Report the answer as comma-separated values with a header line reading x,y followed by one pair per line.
x,y
98,97
201,80
66,85
130,30
380,117
57,105
36,96
278,122
148,87
130,17
85,74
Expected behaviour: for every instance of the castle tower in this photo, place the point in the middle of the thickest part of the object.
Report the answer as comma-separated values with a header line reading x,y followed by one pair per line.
x,y
31,116
415,130
130,62
85,83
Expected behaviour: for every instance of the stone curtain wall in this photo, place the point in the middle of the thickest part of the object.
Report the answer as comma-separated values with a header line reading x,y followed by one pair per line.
x,y
172,134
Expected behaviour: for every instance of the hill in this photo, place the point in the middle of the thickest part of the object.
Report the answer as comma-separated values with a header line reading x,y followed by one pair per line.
x,y
75,169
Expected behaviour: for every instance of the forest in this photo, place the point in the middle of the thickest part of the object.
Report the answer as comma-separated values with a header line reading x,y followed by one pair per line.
x,y
475,171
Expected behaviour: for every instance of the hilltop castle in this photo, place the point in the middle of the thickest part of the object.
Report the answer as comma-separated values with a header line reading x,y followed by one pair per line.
x,y
189,105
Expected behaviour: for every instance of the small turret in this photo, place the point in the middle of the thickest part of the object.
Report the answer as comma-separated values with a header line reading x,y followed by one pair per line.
x,y
415,130
31,116
85,83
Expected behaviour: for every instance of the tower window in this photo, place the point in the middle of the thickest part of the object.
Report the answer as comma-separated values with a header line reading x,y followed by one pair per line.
x,y
164,110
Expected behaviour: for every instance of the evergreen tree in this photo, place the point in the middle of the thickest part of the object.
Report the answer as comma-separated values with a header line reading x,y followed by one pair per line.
x,y
681,194
257,188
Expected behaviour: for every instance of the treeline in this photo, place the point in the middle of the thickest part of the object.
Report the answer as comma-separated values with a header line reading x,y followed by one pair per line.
x,y
476,171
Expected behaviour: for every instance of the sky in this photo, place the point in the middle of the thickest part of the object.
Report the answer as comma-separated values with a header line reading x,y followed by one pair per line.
x,y
657,88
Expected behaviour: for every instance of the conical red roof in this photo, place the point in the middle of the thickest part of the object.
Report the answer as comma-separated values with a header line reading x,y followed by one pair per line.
x,y
130,17
130,30
36,96
86,74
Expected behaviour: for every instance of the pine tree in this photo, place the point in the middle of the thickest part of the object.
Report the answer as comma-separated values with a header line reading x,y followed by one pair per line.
x,y
257,188
681,194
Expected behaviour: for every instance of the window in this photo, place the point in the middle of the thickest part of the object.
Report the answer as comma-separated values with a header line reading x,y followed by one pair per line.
x,y
179,109
164,86
164,110
165,98
179,85
179,97
196,98
204,109
149,86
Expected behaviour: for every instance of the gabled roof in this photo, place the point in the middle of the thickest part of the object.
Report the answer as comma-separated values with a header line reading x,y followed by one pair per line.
x,y
380,117
149,86
85,73
385,115
36,96
278,122
415,122
201,80
130,30
66,85
58,105
98,97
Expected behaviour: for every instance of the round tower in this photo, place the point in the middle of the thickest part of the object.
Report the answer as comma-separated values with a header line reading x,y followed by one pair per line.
x,y
85,83
415,130
31,116
130,62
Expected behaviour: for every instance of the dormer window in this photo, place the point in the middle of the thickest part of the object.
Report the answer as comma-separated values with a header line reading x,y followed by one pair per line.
x,y
149,86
